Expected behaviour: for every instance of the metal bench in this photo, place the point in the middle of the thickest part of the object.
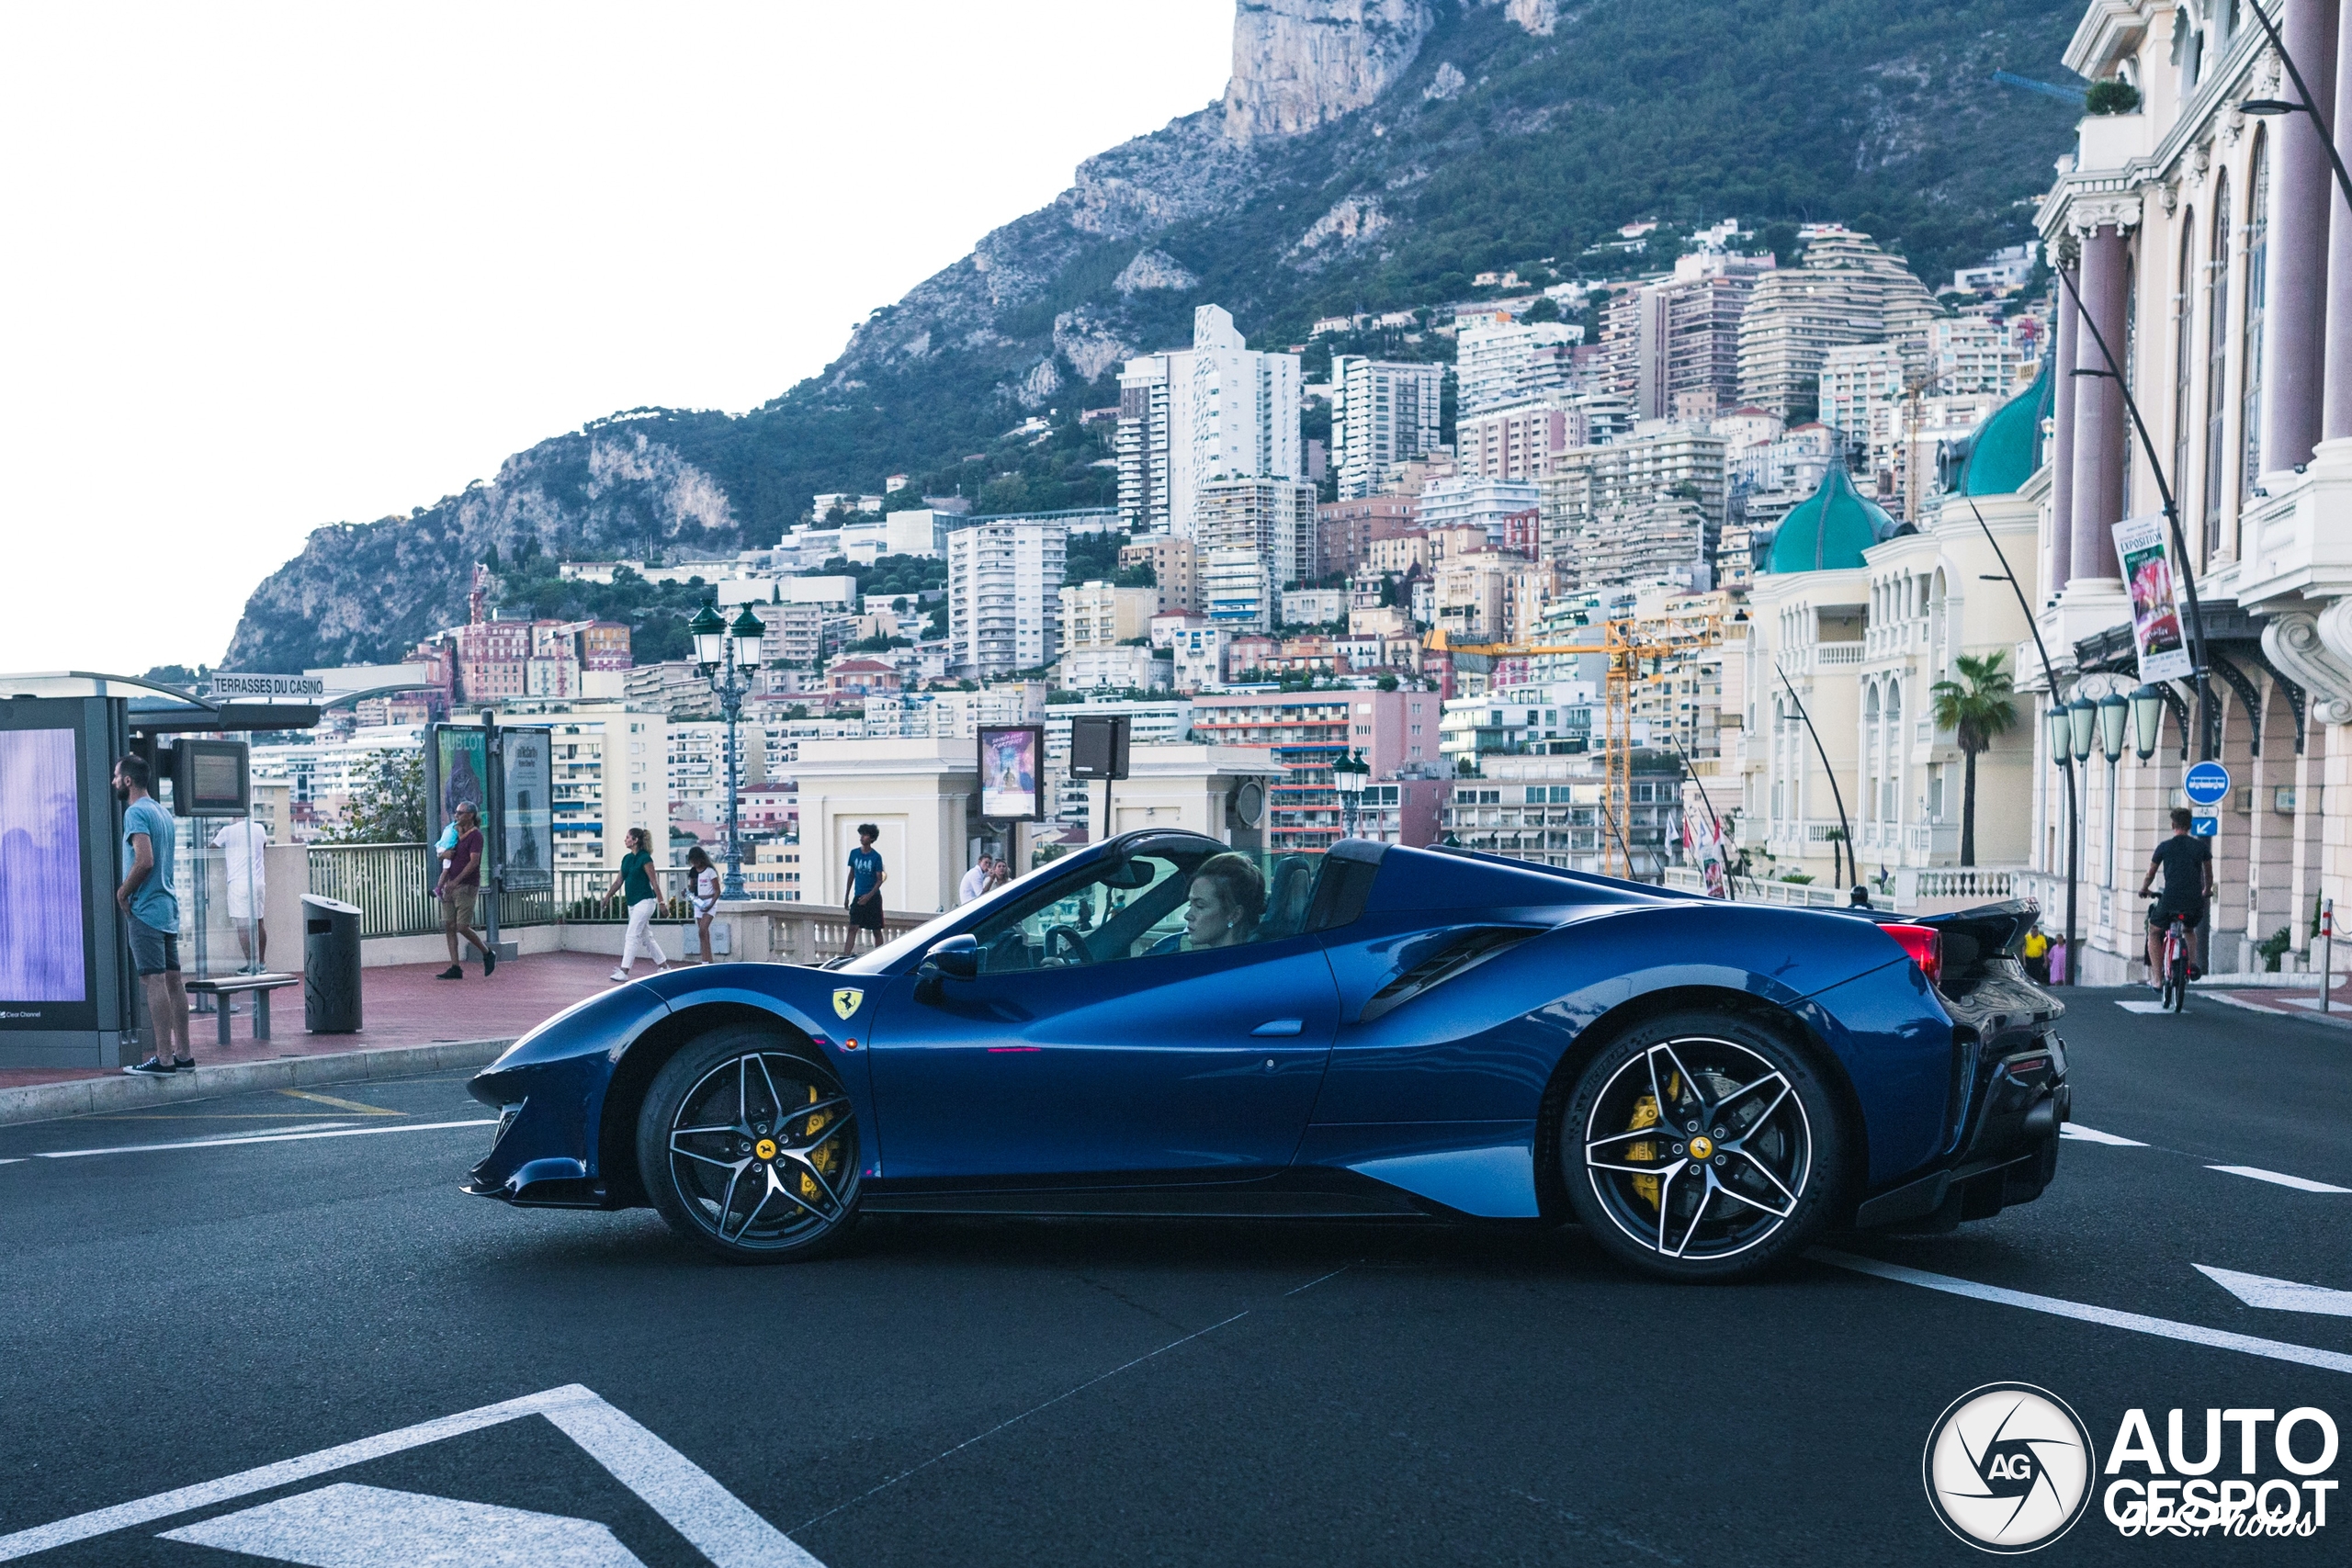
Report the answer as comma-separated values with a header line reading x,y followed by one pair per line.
x,y
223,987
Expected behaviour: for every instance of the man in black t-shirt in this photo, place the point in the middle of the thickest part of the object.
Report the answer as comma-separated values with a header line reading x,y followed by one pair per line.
x,y
2187,864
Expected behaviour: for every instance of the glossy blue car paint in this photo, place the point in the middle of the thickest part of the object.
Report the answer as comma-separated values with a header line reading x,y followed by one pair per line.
x,y
1208,1070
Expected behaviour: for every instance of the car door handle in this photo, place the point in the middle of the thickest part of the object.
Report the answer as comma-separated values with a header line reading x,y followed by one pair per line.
x,y
1279,1026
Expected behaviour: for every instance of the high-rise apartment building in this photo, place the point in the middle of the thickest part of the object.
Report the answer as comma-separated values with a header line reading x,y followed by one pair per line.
x,y
1003,607
1846,290
1489,504
1174,561
1599,495
1381,412
1187,417
1520,441
1495,362
1861,396
1673,341
1256,537
1349,528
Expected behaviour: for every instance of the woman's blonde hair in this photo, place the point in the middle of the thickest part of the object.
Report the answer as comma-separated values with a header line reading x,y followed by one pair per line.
x,y
638,839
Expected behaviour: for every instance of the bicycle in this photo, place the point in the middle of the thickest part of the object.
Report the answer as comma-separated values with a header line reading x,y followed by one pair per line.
x,y
2173,971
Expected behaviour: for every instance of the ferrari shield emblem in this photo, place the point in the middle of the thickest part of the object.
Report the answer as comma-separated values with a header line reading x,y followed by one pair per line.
x,y
846,1002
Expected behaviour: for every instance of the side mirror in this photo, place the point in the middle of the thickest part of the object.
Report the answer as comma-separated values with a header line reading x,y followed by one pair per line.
x,y
957,958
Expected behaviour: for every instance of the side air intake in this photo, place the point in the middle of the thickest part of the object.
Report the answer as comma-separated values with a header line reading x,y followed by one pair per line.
x,y
1455,955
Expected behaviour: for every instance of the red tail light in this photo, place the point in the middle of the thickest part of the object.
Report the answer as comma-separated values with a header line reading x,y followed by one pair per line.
x,y
1925,945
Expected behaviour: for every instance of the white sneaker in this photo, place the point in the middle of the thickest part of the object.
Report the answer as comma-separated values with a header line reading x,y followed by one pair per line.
x,y
617,975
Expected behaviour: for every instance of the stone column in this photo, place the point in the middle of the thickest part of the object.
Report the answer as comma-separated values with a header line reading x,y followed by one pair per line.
x,y
2336,421
2101,423
2294,351
2061,450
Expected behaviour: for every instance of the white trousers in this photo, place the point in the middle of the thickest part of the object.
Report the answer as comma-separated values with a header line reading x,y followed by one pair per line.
x,y
641,930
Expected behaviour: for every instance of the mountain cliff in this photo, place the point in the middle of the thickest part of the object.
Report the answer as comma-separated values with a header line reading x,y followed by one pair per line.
x,y
1366,155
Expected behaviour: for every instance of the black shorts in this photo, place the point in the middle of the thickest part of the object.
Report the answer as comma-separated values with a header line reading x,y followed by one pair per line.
x,y
865,914
2159,916
154,952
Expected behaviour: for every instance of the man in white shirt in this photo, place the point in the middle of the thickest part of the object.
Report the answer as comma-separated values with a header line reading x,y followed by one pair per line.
x,y
975,881
241,844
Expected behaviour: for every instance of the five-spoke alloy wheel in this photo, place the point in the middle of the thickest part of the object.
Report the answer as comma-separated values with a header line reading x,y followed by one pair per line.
x,y
749,1149
1701,1148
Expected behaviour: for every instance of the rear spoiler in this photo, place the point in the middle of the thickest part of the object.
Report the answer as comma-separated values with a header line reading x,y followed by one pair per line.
x,y
1970,936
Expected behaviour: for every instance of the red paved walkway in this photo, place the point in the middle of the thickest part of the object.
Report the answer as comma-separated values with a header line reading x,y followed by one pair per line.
x,y
401,1005
2298,1003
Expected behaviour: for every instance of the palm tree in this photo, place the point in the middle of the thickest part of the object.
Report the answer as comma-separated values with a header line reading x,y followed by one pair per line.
x,y
1978,706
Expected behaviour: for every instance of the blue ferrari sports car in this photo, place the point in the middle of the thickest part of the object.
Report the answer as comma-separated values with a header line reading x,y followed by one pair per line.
x,y
1160,1025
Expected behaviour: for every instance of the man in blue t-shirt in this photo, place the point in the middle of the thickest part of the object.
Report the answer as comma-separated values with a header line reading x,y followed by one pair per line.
x,y
865,879
152,914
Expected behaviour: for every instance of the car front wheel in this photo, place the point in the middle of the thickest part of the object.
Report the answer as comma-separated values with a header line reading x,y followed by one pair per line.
x,y
749,1149
1702,1146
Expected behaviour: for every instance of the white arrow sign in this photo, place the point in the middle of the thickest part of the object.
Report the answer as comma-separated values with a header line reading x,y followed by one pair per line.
x,y
2280,1295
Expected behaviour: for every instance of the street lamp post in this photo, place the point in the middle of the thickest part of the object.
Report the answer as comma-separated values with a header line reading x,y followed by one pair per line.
x,y
1349,775
727,657
2060,731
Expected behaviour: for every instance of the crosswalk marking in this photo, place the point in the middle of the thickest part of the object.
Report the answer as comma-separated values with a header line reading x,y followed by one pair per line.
x,y
2300,1184
2083,1135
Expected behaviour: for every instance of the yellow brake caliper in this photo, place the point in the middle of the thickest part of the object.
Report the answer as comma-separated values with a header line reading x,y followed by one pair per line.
x,y
1645,1115
822,1158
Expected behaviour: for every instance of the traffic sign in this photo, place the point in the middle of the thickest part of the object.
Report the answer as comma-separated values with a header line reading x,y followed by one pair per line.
x,y
2204,827
2207,783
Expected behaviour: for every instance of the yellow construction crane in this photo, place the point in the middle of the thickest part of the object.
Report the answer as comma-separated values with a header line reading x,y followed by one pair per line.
x,y
1637,650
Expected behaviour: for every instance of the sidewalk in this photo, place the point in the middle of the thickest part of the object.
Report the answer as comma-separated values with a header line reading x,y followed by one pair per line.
x,y
415,1023
2299,999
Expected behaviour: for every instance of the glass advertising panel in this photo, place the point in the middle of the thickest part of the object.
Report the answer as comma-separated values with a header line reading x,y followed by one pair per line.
x,y
1012,767
44,948
527,785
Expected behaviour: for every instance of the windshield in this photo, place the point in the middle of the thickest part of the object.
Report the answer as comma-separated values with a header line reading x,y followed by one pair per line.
x,y
906,944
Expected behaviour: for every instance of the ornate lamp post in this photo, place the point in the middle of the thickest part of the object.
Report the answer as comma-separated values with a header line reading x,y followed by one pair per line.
x,y
727,657
1349,776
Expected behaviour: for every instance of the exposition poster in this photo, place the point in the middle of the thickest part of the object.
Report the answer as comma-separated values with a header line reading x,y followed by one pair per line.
x,y
1010,767
2143,546
40,867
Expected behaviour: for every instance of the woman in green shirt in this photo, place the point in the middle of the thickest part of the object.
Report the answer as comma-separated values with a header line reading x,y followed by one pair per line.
x,y
634,883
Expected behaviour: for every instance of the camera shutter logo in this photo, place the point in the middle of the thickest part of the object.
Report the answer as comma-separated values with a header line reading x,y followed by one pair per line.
x,y
2009,1467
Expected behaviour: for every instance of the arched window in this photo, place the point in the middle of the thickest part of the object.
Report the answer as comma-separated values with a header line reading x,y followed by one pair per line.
x,y
2257,248
2184,343
2217,358
1894,748
1874,750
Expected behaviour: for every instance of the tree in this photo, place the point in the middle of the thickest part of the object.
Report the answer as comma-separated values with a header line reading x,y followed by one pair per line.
x,y
1976,708
389,806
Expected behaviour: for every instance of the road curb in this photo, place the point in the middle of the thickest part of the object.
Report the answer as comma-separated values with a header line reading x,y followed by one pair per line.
x,y
81,1097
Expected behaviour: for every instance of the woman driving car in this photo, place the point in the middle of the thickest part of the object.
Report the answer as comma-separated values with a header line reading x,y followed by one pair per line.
x,y
1223,905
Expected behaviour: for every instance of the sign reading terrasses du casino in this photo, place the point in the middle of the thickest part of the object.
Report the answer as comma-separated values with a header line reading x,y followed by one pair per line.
x,y
227,686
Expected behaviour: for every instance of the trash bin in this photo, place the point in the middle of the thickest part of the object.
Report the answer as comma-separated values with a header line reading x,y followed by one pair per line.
x,y
330,966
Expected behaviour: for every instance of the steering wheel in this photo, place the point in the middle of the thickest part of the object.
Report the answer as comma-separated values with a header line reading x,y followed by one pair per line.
x,y
1066,945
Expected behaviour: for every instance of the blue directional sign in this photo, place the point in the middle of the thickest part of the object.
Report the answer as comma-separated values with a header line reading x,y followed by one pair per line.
x,y
2204,827
2207,783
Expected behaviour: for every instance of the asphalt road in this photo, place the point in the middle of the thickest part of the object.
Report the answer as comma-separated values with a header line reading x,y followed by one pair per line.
x,y
1086,1392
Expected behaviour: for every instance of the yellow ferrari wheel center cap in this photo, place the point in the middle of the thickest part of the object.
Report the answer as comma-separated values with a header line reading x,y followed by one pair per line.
x,y
765,1148
1701,1148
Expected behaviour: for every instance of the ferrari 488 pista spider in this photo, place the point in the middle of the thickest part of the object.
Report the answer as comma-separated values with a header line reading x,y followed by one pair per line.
x,y
1159,1025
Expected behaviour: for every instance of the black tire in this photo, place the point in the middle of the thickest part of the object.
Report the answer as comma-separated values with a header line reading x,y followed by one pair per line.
x,y
2180,980
750,1148
1771,1149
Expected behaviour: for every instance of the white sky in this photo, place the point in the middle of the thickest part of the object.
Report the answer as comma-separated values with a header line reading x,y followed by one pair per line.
x,y
270,266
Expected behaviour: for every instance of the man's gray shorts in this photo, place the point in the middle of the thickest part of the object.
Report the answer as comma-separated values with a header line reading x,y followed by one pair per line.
x,y
154,952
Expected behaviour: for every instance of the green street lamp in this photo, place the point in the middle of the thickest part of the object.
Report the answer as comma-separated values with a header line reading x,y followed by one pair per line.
x,y
708,631
1349,775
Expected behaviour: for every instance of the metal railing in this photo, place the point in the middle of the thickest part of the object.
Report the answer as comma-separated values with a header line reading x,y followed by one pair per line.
x,y
393,886
580,897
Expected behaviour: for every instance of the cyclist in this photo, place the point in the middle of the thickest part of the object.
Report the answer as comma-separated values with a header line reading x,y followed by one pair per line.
x,y
2187,864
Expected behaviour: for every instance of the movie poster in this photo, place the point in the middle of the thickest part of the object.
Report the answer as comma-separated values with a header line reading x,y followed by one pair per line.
x,y
1011,762
2142,544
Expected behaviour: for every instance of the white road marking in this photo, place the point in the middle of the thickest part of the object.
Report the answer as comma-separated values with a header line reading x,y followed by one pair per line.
x,y
307,1132
2144,1006
348,1526
2081,1312
706,1513
2300,1184
2280,1295
2083,1135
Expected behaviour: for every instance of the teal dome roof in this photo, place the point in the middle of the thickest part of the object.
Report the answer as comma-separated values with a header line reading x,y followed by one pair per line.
x,y
2000,454
1829,530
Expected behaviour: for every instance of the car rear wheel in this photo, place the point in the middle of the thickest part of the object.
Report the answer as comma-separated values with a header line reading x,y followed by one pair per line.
x,y
749,1149
1702,1146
